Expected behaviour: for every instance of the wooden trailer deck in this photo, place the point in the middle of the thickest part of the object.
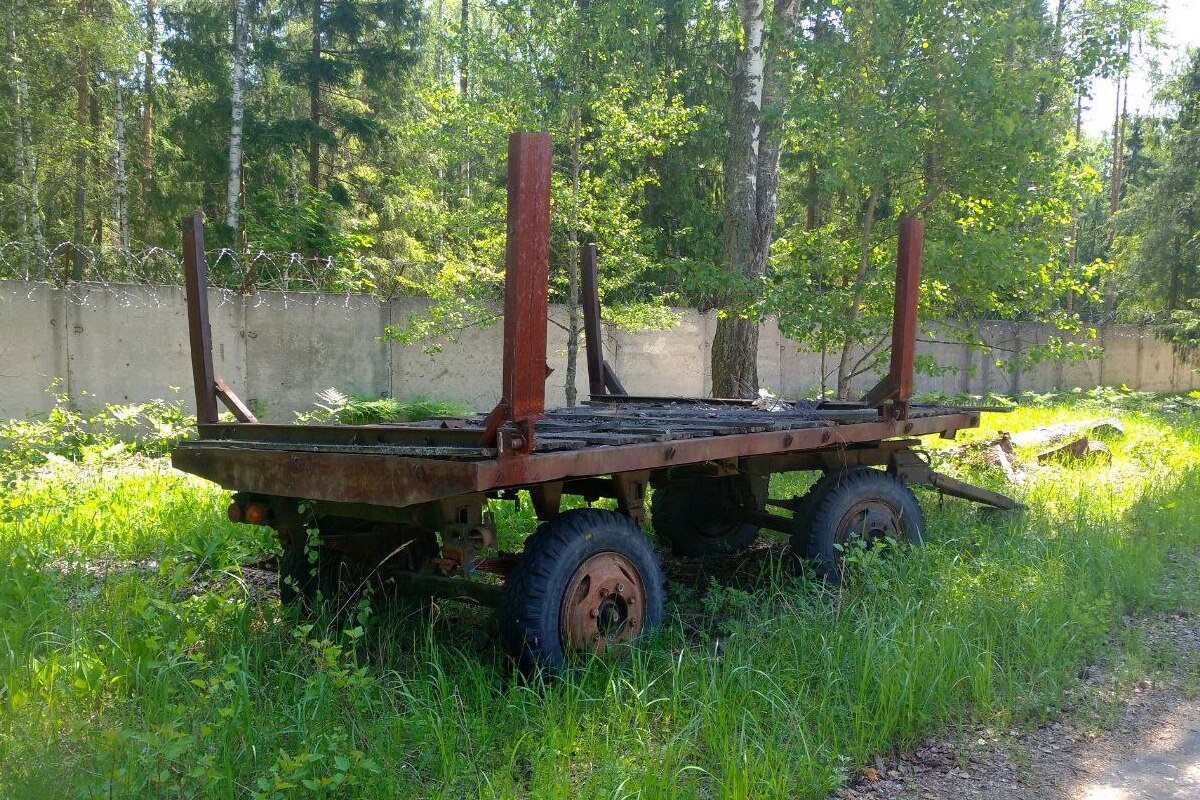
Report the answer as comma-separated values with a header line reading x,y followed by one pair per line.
x,y
404,464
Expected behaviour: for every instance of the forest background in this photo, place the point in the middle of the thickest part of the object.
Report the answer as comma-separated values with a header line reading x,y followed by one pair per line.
x,y
751,157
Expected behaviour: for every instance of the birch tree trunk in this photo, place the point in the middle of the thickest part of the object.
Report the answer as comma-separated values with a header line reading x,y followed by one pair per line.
x,y
122,204
233,191
751,183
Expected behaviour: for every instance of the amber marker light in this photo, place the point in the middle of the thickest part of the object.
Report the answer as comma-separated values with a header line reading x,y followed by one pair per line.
x,y
256,514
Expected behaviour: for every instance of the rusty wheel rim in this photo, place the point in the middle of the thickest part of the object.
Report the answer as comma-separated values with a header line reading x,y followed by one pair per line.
x,y
604,605
870,520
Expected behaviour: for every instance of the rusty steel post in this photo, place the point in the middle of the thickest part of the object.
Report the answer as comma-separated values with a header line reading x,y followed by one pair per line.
x,y
199,331
527,264
897,385
591,321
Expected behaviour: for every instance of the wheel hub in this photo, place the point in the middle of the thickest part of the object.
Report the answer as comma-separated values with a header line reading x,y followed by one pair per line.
x,y
604,604
870,520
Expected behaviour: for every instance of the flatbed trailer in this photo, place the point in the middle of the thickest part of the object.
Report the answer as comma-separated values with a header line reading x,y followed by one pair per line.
x,y
405,507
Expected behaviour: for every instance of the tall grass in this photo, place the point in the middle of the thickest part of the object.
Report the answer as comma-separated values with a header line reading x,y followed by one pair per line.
x,y
127,681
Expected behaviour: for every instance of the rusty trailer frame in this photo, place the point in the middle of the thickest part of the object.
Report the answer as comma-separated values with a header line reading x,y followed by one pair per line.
x,y
374,488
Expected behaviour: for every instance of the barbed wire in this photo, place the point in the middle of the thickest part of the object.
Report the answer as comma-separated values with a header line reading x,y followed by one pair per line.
x,y
243,272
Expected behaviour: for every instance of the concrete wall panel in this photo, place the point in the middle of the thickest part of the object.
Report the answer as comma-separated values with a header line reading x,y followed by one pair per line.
x,y
32,346
298,344
122,344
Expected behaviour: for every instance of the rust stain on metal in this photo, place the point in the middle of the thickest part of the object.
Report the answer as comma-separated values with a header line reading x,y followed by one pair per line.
x,y
604,604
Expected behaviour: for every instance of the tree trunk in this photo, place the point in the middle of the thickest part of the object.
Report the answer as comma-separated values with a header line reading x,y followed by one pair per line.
x,y
812,218
735,344
570,387
1173,288
1118,168
438,70
15,71
30,204
122,205
314,100
1118,147
1073,251
233,189
845,368
464,40
100,163
147,177
82,103
751,186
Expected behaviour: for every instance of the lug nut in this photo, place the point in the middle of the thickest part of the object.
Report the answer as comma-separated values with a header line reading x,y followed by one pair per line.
x,y
595,612
620,587
603,592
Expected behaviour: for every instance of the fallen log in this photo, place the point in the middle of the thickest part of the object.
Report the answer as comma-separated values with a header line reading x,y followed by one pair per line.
x,y
1063,442
1104,426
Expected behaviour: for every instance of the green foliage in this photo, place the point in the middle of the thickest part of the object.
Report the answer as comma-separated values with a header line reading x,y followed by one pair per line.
x,y
149,429
334,406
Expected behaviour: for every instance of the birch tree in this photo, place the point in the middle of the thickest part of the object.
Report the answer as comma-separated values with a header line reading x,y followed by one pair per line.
x,y
233,190
751,185
25,157
119,171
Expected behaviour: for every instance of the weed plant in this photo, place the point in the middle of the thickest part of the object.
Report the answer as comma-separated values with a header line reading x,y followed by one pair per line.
x,y
136,661
335,407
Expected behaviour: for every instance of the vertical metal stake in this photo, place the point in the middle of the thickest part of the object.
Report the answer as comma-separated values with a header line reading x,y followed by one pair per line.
x,y
591,321
527,263
199,332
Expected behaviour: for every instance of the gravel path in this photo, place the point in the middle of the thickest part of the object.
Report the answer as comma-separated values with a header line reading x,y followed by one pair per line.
x,y
1148,748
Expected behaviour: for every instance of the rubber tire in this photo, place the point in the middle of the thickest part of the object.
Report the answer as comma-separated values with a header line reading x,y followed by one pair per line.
x,y
687,514
802,519
854,486
529,613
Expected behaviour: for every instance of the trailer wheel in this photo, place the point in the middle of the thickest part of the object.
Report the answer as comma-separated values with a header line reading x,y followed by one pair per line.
x,y
868,503
694,514
587,582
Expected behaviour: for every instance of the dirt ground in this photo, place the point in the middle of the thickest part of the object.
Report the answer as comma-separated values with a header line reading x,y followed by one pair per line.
x,y
1116,741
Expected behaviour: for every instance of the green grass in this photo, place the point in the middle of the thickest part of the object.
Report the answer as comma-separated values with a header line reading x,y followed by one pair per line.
x,y
124,682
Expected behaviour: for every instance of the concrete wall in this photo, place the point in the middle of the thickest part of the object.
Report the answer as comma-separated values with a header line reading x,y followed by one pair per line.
x,y
119,344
